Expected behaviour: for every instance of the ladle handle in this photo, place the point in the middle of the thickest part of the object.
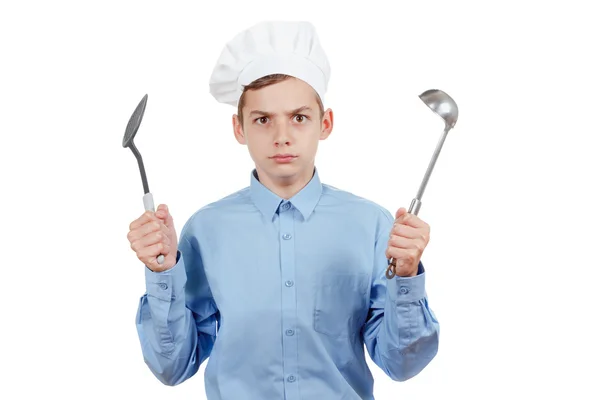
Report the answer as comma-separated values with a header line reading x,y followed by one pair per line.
x,y
414,208
149,206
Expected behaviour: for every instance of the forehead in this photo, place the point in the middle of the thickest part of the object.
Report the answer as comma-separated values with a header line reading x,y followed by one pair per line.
x,y
283,96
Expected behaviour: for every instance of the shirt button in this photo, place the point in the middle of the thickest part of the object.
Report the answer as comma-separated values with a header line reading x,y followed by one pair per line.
x,y
163,286
289,332
404,290
286,206
289,283
291,378
287,236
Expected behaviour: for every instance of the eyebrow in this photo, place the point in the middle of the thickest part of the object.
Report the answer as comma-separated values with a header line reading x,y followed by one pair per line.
x,y
293,112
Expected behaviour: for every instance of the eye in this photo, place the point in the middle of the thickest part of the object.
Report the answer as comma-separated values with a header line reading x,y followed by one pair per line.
x,y
262,120
300,118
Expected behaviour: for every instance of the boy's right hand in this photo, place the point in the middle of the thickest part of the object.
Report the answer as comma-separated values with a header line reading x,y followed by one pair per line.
x,y
153,234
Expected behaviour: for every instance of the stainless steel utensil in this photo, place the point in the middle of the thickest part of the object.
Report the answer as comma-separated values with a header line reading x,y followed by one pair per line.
x,y
132,128
444,106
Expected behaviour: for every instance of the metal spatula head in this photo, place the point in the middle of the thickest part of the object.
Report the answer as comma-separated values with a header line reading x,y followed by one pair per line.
x,y
132,127
134,122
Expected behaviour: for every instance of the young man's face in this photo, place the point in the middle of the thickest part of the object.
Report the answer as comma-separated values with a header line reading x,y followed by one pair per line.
x,y
283,119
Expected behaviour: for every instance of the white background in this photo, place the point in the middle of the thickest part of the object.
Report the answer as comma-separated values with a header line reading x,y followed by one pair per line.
x,y
512,202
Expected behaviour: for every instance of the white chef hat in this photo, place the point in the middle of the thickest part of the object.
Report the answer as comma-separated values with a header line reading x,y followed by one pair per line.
x,y
271,47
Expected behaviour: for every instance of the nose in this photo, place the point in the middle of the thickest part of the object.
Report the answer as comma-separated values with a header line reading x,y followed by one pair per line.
x,y
282,135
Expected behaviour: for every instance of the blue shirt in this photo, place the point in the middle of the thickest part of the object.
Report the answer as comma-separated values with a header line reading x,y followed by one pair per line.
x,y
283,297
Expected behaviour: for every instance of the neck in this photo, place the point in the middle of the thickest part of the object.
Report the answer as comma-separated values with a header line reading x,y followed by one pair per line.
x,y
288,186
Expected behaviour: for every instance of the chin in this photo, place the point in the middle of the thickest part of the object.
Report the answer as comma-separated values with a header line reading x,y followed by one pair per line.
x,y
283,170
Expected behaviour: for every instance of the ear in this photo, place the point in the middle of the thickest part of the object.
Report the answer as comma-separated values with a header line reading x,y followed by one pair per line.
x,y
326,124
238,131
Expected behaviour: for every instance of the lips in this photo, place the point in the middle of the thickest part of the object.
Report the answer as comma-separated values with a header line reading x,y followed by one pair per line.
x,y
283,158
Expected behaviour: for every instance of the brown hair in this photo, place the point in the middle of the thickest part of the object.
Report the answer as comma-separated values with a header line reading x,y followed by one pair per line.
x,y
266,81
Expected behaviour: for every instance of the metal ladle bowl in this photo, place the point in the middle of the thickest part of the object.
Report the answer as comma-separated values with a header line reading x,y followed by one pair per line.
x,y
444,106
441,104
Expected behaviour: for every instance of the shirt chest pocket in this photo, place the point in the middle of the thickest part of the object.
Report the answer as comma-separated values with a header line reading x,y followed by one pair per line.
x,y
341,303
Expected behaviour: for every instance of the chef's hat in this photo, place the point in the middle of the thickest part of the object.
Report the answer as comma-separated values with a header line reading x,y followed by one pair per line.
x,y
272,47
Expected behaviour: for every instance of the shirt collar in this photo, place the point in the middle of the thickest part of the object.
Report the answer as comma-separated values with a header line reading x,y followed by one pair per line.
x,y
268,202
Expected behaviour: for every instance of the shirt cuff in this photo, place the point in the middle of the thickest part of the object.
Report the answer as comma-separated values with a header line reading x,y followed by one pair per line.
x,y
407,289
164,285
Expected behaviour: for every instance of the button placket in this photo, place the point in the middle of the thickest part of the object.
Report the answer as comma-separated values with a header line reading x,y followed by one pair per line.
x,y
289,312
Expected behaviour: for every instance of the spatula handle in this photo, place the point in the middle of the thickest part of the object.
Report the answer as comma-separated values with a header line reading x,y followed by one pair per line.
x,y
149,206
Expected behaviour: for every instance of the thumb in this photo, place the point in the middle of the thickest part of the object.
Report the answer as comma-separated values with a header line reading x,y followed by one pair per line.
x,y
162,212
401,211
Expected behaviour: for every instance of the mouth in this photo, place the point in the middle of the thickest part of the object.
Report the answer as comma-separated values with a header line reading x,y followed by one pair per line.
x,y
284,158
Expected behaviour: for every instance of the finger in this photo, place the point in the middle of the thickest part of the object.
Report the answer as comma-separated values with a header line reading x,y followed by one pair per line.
x,y
154,226
143,219
406,231
402,256
149,240
150,226
401,211
395,252
149,254
412,220
163,213
156,237
405,243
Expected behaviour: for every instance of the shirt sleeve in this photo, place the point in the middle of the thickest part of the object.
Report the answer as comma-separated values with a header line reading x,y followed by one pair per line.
x,y
401,332
176,334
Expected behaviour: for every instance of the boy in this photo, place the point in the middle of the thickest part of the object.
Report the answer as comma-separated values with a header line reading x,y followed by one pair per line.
x,y
288,271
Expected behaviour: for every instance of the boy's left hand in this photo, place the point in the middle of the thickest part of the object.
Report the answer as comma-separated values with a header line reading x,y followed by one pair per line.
x,y
408,239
